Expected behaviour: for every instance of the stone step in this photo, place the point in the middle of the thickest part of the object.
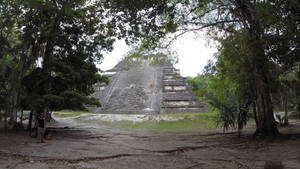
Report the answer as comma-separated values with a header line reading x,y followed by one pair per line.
x,y
175,83
172,74
99,111
185,110
173,78
182,88
168,70
182,96
181,104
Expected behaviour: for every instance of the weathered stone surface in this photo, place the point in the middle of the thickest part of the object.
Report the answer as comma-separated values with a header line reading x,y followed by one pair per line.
x,y
175,82
184,96
139,87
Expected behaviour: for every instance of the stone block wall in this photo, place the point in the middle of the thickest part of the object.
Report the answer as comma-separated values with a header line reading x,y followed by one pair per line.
x,y
177,94
143,88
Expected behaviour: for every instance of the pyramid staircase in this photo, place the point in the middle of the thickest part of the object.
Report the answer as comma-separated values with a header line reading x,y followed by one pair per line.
x,y
129,91
178,96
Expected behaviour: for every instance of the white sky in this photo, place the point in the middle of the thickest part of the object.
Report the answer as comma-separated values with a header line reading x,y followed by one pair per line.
x,y
193,53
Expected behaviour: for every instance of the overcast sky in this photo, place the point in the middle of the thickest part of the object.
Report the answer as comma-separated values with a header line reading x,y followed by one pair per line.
x,y
193,53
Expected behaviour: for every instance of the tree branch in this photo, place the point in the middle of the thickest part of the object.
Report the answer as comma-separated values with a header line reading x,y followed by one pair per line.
x,y
205,25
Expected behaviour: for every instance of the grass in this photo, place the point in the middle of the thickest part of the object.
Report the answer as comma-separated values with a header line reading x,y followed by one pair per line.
x,y
62,114
191,122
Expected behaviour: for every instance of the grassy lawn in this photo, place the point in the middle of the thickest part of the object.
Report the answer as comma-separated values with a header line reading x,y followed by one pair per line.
x,y
62,114
191,122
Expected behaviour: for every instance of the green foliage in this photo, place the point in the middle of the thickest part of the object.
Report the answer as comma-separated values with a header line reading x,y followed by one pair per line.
x,y
223,95
254,35
102,78
226,85
199,85
53,100
48,52
142,18
49,48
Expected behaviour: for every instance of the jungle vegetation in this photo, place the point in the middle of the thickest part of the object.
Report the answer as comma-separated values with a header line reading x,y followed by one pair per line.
x,y
49,48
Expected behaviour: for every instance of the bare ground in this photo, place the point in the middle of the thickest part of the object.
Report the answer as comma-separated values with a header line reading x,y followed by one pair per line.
x,y
80,146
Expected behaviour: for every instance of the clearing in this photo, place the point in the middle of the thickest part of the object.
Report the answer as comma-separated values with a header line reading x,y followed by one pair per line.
x,y
90,141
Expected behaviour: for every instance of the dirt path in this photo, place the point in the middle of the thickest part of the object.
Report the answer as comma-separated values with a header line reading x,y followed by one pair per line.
x,y
80,146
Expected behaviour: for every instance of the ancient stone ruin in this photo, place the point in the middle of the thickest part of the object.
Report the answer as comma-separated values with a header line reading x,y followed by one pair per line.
x,y
146,87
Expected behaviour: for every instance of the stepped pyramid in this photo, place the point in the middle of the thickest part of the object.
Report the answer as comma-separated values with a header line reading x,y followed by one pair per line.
x,y
142,87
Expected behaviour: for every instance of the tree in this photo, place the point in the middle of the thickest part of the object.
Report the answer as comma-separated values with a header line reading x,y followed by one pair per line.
x,y
225,84
12,58
69,39
51,47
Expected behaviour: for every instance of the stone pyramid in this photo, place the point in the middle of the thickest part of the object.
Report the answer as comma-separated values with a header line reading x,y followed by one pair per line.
x,y
144,87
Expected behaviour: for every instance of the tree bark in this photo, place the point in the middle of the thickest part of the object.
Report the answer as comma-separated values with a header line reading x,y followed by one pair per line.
x,y
255,113
15,89
266,125
246,12
12,105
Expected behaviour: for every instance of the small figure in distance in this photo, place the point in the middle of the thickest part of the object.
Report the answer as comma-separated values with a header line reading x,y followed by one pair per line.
x,y
41,124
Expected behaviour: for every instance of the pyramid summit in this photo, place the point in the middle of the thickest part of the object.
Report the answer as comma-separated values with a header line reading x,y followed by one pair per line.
x,y
142,86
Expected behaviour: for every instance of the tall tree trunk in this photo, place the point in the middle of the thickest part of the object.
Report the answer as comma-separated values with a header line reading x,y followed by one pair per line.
x,y
284,102
15,89
255,113
12,105
246,12
266,125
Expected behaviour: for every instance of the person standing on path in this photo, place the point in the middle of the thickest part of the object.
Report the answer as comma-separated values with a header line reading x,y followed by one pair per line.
x,y
41,124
